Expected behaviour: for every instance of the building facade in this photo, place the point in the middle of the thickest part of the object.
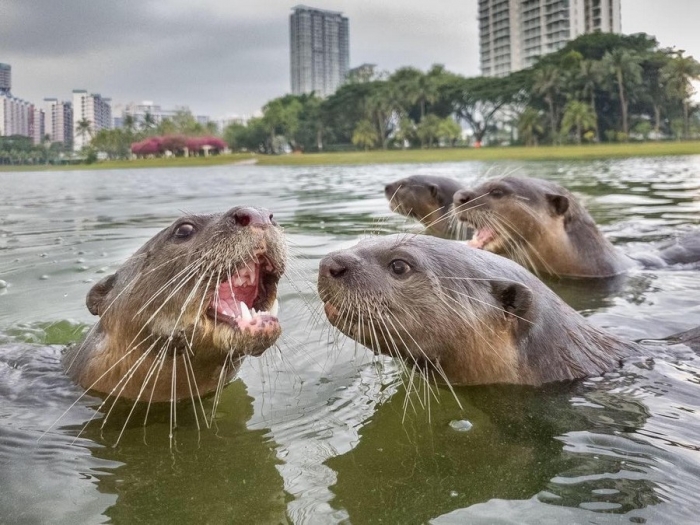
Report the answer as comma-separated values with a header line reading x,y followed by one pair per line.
x,y
513,34
16,116
5,78
320,50
59,121
93,109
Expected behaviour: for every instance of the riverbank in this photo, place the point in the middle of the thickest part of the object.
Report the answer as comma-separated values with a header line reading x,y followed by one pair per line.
x,y
514,153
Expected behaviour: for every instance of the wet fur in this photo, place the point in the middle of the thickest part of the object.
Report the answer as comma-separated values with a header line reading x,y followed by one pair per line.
x,y
466,315
153,341
428,199
544,227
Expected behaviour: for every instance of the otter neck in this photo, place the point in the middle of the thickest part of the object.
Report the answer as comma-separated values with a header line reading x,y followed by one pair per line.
x,y
577,249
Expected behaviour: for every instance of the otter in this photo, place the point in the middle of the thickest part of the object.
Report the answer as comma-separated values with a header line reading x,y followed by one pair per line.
x,y
466,315
428,199
544,227
178,317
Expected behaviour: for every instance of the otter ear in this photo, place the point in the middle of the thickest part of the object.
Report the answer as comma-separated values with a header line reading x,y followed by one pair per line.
x,y
97,295
434,191
558,203
514,298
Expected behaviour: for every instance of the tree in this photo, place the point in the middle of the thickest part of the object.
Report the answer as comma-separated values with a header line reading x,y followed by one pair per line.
x,y
478,100
547,84
588,78
579,116
624,66
679,73
365,135
83,129
428,129
530,126
449,130
149,122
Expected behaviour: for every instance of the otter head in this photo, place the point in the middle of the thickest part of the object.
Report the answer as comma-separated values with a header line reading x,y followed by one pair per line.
x,y
437,304
427,199
201,292
524,219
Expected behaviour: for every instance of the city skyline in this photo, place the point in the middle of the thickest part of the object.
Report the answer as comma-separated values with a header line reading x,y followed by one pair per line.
x,y
220,61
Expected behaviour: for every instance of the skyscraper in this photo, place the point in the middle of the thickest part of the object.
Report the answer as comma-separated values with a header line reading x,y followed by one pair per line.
x,y
514,33
95,110
5,78
320,50
59,121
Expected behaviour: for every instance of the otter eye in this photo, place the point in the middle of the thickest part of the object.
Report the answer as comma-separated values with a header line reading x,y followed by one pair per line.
x,y
184,230
399,267
497,193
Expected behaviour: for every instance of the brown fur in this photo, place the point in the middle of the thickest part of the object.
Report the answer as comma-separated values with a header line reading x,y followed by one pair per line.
x,y
469,315
154,339
542,226
427,199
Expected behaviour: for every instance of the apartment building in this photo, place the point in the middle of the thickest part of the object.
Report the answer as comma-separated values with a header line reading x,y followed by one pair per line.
x,y
59,121
513,34
320,50
93,108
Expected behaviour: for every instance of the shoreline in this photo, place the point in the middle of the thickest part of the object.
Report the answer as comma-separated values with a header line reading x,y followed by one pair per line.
x,y
414,156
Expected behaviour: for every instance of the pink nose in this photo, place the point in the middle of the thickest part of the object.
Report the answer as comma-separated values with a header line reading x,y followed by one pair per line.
x,y
251,217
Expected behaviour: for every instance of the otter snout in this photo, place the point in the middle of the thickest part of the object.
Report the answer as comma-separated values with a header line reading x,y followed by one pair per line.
x,y
250,217
462,197
390,190
337,265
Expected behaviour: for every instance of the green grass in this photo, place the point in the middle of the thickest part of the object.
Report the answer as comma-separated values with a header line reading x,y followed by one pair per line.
x,y
518,153
515,153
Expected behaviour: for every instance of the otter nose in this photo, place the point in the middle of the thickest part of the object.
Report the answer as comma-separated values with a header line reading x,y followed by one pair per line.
x,y
251,217
462,197
334,266
389,190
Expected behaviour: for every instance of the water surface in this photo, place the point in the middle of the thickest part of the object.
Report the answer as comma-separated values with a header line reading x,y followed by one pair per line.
x,y
318,431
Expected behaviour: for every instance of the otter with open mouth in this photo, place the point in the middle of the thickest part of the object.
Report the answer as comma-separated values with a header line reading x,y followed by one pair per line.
x,y
428,199
469,316
178,317
542,226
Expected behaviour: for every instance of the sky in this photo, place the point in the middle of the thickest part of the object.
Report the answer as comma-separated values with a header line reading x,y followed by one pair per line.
x,y
224,57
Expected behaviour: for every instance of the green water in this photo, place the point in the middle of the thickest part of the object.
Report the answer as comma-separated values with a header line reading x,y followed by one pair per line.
x,y
319,430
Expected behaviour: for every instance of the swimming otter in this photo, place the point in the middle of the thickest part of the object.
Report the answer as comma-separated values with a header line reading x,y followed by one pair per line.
x,y
201,292
429,200
544,227
470,316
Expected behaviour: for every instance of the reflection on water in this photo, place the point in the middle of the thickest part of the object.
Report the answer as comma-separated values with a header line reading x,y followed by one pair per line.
x,y
320,431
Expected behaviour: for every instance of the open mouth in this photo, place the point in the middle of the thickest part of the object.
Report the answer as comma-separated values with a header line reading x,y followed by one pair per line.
x,y
241,300
482,238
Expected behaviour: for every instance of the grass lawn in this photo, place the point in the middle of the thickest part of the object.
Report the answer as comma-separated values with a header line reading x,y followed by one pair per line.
x,y
515,153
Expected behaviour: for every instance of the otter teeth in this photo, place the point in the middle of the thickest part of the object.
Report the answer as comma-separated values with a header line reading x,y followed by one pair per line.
x,y
245,313
275,308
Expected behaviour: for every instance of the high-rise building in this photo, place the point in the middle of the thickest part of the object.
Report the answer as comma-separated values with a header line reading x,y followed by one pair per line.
x,y
37,125
15,116
59,121
93,109
5,78
320,50
513,34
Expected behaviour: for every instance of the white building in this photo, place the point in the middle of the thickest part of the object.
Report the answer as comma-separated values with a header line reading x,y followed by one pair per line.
x,y
37,127
139,111
15,116
513,34
320,50
59,121
92,108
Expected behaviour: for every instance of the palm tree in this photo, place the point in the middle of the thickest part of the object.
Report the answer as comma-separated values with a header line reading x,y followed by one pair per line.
x,y
83,128
365,134
589,78
580,116
547,83
625,68
149,121
679,72
529,126
129,123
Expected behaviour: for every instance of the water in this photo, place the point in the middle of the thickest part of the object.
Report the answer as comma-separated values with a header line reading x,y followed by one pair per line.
x,y
317,432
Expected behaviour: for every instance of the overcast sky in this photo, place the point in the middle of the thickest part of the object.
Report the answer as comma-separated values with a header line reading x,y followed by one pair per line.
x,y
226,57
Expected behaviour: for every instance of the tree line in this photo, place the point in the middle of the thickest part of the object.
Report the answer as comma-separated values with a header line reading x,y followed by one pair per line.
x,y
599,87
